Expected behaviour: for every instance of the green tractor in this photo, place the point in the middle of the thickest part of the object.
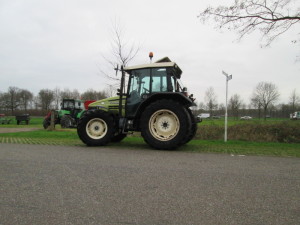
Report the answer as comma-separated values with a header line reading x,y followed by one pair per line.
x,y
68,115
152,102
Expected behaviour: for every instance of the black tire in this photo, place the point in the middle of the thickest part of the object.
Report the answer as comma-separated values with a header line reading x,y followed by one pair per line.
x,y
193,129
96,128
118,138
46,123
165,124
66,121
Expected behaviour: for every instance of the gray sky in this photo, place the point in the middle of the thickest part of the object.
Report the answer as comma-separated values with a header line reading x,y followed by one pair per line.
x,y
54,43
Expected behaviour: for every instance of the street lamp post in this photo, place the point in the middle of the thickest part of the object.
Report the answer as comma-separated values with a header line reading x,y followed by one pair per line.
x,y
228,78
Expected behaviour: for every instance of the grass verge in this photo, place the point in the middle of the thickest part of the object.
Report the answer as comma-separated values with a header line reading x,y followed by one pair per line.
x,y
69,138
231,147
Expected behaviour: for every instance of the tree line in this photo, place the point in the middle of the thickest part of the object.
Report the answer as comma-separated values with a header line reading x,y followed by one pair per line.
x,y
263,103
16,100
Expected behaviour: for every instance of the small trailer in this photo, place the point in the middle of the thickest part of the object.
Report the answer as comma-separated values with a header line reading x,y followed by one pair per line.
x,y
23,117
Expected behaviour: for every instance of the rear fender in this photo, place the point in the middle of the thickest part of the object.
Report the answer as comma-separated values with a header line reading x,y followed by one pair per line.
x,y
176,96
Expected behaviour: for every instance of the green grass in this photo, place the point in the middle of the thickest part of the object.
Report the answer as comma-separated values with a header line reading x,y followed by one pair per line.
x,y
36,122
233,121
57,137
60,134
69,137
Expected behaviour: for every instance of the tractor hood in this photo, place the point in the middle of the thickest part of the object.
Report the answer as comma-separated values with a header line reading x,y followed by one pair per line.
x,y
107,103
103,103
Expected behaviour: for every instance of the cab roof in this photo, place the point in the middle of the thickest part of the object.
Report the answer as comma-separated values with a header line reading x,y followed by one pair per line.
x,y
164,62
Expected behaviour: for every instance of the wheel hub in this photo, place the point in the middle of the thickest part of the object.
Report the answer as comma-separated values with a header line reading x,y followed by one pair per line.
x,y
165,125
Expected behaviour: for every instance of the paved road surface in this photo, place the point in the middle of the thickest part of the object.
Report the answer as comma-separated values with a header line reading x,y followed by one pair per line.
x,y
81,185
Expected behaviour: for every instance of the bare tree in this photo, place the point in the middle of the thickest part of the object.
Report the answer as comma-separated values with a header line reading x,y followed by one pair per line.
x,y
93,95
200,107
211,100
16,98
25,98
110,90
57,97
11,99
121,53
67,93
265,94
235,104
36,102
256,103
294,100
271,17
4,102
46,97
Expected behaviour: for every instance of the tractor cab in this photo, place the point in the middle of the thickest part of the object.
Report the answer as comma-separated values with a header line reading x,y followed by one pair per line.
x,y
154,81
70,104
71,107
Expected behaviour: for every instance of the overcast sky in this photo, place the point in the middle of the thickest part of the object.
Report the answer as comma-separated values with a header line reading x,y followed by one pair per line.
x,y
54,43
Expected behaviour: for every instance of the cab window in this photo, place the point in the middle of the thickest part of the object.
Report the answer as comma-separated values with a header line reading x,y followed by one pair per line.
x,y
140,82
162,81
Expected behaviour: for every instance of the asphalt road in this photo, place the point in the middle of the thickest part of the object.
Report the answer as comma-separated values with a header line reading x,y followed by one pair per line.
x,y
82,185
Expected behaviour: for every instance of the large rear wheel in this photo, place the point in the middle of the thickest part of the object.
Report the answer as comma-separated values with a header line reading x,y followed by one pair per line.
x,y
164,124
95,128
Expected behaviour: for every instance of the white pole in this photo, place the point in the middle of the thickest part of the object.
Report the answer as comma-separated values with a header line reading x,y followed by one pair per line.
x,y
228,77
225,135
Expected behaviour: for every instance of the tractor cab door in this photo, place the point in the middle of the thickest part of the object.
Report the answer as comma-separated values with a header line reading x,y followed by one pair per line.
x,y
79,106
73,106
139,85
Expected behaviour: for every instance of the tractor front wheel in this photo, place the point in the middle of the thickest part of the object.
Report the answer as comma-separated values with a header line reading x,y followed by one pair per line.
x,y
95,128
165,124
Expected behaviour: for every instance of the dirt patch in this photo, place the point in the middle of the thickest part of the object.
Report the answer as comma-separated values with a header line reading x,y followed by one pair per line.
x,y
14,130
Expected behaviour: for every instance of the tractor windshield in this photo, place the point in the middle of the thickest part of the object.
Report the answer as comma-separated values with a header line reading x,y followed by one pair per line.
x,y
68,104
153,80
145,81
